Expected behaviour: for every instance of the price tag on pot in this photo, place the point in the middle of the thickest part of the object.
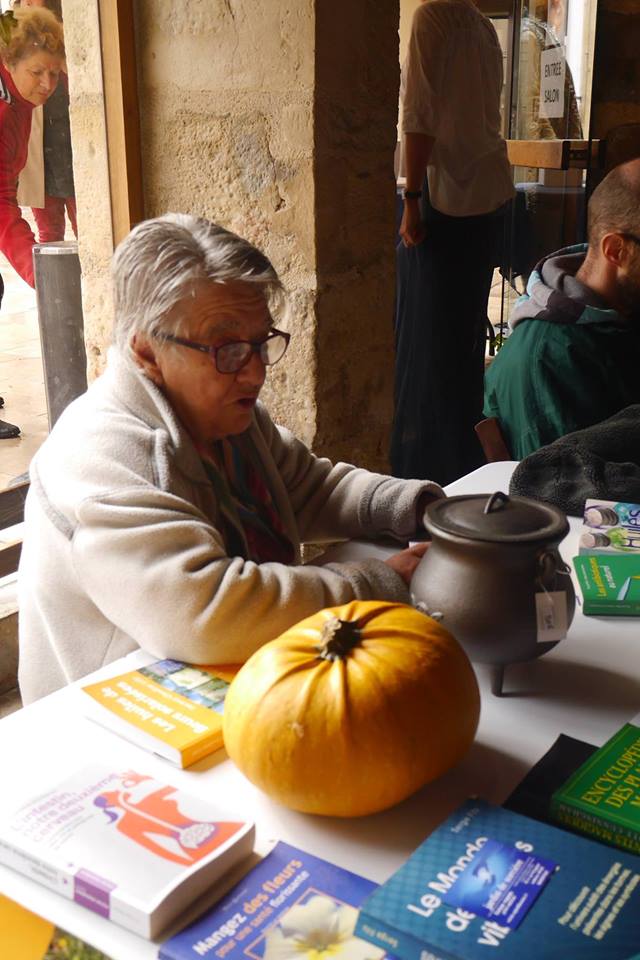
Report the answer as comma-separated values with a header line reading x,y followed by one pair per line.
x,y
551,615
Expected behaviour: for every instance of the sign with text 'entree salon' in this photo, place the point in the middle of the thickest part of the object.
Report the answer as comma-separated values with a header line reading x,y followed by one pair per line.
x,y
552,71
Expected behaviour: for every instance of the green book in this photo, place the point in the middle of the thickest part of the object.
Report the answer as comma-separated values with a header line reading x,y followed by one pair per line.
x,y
610,585
602,798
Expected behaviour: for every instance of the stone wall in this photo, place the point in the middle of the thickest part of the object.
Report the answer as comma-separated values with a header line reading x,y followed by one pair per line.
x,y
277,119
226,89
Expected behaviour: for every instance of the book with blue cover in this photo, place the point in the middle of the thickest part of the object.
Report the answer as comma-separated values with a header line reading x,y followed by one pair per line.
x,y
490,881
291,906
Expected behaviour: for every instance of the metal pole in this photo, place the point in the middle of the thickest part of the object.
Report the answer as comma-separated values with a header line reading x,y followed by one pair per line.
x,y
58,294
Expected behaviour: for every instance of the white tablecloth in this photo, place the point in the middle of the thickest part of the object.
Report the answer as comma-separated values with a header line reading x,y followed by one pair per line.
x,y
586,687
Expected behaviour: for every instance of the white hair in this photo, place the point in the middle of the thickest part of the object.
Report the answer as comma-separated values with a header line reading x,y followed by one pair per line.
x,y
159,262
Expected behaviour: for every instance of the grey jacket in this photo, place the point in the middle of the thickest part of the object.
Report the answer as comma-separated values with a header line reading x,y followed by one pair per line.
x,y
122,547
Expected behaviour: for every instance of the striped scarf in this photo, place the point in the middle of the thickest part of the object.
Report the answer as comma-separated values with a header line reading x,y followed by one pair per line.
x,y
251,525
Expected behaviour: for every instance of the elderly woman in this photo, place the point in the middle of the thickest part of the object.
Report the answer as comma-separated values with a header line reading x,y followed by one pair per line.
x,y
166,509
32,57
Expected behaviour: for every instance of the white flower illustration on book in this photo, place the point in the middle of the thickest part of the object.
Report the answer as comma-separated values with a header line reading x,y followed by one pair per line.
x,y
318,930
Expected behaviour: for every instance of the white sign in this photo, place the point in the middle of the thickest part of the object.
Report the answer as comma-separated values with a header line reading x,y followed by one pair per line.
x,y
551,614
552,70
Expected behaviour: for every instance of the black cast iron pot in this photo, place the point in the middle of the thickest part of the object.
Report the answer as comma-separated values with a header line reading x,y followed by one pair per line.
x,y
494,573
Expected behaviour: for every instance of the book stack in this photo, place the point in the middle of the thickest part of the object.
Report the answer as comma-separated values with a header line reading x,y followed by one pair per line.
x,y
588,790
601,798
608,564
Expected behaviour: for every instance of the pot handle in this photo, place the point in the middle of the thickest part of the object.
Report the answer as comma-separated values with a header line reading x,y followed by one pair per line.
x,y
547,566
497,501
550,564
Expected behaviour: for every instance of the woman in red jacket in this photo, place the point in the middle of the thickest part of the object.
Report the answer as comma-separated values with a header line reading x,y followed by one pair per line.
x,y
32,58
59,190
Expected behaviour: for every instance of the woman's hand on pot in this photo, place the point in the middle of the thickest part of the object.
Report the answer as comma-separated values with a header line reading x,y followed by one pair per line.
x,y
405,562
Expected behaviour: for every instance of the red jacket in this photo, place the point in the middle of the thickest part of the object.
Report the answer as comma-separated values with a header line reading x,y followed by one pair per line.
x,y
16,237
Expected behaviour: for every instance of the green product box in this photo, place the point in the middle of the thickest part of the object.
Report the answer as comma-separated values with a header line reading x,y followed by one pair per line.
x,y
602,798
610,585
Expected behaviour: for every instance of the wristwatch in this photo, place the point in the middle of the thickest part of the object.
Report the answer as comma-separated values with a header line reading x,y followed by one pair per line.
x,y
411,194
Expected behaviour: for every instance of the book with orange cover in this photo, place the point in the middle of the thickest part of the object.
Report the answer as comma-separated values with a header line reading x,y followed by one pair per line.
x,y
26,936
172,708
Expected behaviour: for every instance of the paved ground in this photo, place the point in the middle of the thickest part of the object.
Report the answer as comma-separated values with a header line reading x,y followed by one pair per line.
x,y
21,377
22,386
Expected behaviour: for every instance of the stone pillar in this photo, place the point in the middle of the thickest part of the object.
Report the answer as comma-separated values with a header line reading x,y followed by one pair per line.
x,y
276,119
91,174
356,101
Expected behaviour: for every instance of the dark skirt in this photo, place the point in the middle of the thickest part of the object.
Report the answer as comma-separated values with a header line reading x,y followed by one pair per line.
x,y
441,322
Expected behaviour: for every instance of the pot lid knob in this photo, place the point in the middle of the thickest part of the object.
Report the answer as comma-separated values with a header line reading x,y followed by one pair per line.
x,y
496,501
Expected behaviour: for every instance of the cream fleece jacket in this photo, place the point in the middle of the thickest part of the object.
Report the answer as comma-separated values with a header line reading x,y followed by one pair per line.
x,y
122,547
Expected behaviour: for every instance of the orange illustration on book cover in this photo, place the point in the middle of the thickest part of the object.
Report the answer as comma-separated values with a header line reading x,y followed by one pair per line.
x,y
155,821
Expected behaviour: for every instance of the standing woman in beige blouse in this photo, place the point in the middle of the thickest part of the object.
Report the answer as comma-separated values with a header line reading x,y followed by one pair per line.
x,y
458,179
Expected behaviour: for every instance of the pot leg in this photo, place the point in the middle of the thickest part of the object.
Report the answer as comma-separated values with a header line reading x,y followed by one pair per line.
x,y
496,675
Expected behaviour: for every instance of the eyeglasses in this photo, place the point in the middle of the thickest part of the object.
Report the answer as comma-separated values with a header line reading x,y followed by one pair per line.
x,y
233,356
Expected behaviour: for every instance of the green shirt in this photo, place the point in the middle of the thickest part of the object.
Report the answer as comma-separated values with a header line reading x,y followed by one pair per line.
x,y
550,379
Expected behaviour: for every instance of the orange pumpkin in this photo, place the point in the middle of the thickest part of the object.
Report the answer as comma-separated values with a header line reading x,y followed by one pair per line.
x,y
353,709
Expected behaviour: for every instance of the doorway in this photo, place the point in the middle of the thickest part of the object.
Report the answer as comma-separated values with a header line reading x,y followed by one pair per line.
x,y
45,200
549,58
548,54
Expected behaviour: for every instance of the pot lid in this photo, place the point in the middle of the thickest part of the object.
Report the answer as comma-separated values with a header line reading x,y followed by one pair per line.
x,y
496,517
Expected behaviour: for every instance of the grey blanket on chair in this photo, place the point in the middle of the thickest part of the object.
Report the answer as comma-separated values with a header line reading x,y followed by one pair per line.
x,y
601,461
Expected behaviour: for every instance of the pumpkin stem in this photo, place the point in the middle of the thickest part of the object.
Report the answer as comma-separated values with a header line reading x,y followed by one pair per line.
x,y
338,638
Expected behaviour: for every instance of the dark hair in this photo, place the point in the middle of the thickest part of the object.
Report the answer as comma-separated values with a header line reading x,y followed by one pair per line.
x,y
615,203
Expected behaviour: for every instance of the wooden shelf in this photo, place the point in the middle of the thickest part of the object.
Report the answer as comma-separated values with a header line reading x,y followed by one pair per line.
x,y
555,154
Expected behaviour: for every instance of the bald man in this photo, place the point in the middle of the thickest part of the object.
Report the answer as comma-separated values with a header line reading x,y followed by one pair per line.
x,y
573,358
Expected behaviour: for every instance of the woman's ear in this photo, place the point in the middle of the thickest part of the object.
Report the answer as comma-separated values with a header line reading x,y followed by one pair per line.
x,y
145,356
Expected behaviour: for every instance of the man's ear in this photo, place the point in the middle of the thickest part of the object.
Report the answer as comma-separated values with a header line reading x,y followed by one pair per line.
x,y
144,354
613,248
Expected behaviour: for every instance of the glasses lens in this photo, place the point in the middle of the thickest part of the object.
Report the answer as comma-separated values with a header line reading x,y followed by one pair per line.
x,y
232,356
273,349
